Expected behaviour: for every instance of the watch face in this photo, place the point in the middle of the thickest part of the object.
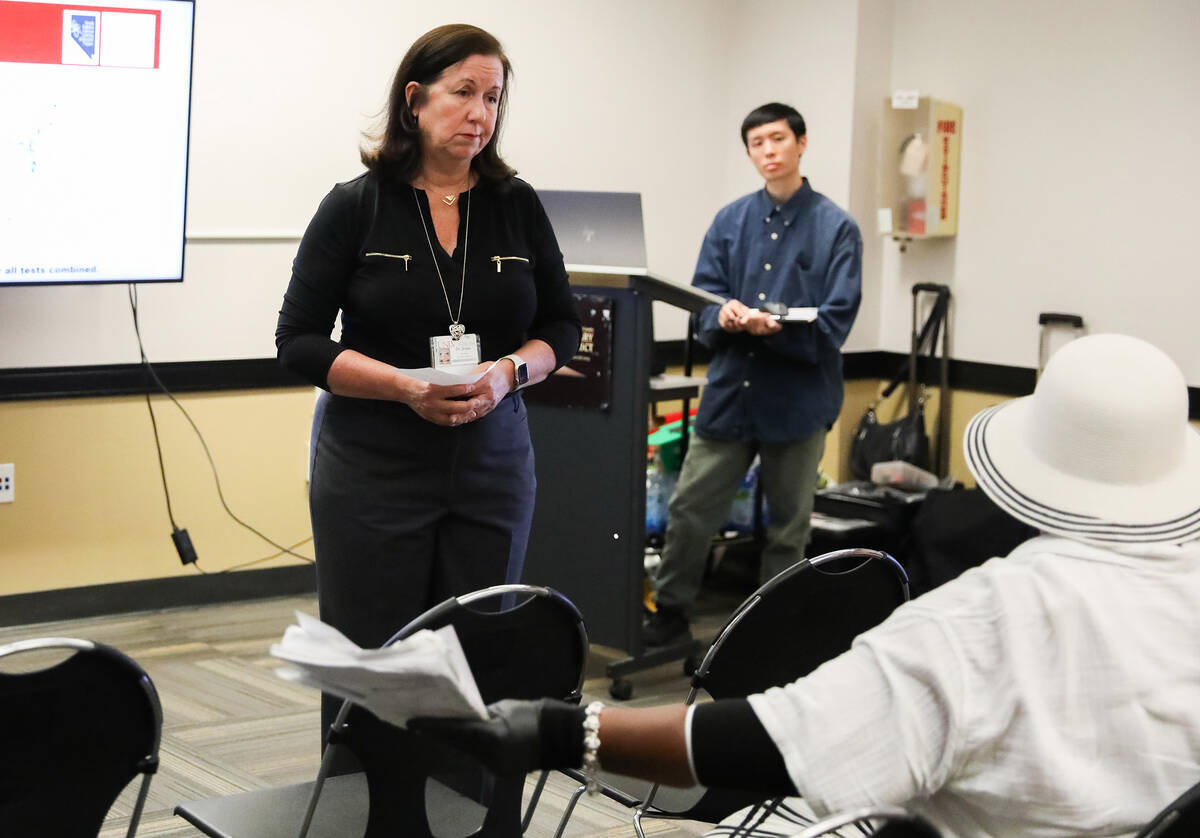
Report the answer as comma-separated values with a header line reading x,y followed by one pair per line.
x,y
522,374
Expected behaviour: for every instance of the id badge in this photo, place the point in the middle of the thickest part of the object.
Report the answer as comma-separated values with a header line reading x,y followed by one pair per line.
x,y
445,351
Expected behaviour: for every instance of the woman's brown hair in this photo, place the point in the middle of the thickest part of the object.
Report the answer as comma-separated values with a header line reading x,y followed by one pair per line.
x,y
396,153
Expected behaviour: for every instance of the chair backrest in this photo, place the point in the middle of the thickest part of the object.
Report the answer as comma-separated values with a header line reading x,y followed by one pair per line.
x,y
803,616
75,733
1181,819
496,625
521,641
881,822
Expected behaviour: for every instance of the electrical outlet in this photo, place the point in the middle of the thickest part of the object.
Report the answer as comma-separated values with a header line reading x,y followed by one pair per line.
x,y
8,483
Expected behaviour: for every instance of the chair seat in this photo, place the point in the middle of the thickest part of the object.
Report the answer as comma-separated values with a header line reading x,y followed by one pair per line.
x,y
342,811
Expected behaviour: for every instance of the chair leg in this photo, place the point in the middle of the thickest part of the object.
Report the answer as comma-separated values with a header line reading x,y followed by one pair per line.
x,y
566,815
637,822
326,763
533,799
138,806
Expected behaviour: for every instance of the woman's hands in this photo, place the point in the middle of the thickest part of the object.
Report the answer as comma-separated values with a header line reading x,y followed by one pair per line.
x,y
491,388
451,405
448,405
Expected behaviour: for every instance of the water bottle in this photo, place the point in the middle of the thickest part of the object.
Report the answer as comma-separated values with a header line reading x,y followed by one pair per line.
x,y
656,496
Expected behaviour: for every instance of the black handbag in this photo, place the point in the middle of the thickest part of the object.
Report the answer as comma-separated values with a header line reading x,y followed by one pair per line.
x,y
904,438
879,442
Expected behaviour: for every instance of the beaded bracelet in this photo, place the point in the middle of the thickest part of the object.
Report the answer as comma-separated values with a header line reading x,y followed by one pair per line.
x,y
591,746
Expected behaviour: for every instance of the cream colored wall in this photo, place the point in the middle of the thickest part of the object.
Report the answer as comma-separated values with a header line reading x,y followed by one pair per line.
x,y
1079,173
89,505
859,395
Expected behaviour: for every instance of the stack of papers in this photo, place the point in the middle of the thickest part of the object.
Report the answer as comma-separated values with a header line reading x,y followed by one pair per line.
x,y
452,374
423,675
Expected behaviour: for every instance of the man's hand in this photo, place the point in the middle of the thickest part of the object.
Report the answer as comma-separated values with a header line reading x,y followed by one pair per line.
x,y
736,316
730,316
760,323
511,739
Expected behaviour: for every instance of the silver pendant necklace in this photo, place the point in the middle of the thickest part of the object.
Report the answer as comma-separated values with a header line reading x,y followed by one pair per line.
x,y
457,329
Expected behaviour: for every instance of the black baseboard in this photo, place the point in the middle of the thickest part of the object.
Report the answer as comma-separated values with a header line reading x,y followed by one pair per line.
x,y
153,594
265,373
975,376
963,375
132,379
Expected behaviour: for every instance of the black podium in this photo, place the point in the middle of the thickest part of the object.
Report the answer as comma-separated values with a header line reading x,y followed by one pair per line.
x,y
589,436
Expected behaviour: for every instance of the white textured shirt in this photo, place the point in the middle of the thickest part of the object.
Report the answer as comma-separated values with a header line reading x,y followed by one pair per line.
x,y
1055,692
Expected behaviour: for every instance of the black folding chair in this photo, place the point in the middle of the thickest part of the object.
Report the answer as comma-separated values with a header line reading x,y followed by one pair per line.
x,y
881,822
77,731
804,616
521,641
1181,819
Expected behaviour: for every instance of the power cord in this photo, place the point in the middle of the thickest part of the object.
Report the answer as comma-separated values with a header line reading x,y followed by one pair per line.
x,y
183,542
274,555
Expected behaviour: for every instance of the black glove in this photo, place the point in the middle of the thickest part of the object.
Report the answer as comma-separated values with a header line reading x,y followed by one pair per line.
x,y
517,736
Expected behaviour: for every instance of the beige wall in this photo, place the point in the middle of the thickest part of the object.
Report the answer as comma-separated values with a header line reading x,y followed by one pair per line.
x,y
859,395
89,505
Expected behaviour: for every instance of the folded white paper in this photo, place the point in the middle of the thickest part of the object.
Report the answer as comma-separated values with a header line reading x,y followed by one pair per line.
x,y
426,674
453,374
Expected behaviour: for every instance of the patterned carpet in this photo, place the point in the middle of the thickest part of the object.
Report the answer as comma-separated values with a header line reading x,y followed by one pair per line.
x,y
231,725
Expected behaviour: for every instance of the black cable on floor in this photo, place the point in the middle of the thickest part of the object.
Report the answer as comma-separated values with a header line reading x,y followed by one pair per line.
x,y
207,453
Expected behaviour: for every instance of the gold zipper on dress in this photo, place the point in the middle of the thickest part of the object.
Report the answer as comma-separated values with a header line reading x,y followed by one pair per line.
x,y
499,259
406,257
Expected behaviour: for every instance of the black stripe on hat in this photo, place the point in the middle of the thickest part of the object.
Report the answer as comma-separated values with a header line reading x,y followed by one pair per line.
x,y
1027,508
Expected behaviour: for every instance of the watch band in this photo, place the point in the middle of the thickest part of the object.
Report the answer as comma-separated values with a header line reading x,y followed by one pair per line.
x,y
520,370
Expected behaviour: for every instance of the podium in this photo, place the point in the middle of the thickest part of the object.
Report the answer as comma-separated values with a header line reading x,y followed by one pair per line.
x,y
589,526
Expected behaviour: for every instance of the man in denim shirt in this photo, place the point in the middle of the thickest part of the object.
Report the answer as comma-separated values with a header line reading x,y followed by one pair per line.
x,y
774,384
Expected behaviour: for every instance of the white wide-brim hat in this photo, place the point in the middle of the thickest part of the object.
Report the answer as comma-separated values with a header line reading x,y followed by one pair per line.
x,y
1102,451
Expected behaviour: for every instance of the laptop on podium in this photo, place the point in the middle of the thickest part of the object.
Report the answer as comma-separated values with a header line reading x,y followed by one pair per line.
x,y
598,232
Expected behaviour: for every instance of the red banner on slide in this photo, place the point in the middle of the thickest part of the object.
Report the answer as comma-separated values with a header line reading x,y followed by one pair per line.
x,y
34,33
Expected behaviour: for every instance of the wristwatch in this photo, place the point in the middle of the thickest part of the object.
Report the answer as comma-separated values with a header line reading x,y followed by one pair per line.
x,y
520,371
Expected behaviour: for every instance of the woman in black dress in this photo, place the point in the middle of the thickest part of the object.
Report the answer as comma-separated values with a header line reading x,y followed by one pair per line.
x,y
436,254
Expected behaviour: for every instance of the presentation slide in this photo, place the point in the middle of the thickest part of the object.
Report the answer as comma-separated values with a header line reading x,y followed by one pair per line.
x,y
94,107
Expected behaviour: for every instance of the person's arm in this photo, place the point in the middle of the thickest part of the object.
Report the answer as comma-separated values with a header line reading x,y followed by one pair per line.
x,y
730,747
499,378
808,343
320,271
649,743
359,376
556,323
716,324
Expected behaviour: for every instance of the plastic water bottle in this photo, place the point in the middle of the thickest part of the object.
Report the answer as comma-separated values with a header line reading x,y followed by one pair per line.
x,y
656,497
741,513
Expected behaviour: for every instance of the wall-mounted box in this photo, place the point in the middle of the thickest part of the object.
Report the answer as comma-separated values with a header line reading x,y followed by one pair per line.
x,y
919,160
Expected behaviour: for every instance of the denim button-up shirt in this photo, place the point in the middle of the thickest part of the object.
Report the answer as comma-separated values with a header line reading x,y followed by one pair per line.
x,y
806,253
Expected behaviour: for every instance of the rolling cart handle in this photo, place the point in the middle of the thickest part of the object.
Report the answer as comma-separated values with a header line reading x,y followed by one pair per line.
x,y
939,319
935,326
1047,318
931,287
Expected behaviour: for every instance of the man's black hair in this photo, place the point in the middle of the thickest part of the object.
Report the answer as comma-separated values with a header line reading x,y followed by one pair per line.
x,y
773,112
